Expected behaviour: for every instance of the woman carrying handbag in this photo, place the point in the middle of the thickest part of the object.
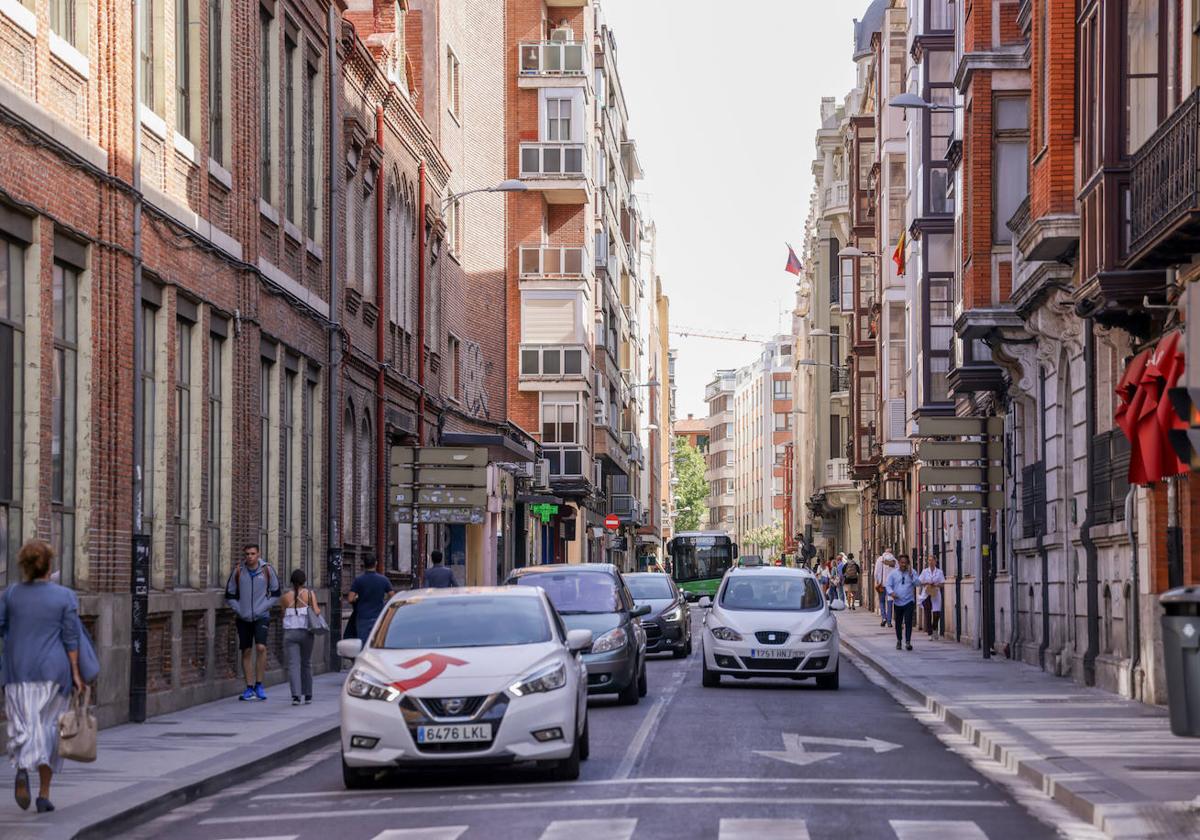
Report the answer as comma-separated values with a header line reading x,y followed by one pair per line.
x,y
302,620
39,623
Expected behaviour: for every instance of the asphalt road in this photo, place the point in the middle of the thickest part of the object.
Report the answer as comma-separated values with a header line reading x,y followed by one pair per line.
x,y
740,762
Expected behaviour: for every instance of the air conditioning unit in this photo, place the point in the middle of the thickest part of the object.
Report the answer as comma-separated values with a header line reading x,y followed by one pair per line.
x,y
562,35
598,475
541,474
645,517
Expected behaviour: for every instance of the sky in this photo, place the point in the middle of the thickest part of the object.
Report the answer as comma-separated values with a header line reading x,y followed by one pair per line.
x,y
724,104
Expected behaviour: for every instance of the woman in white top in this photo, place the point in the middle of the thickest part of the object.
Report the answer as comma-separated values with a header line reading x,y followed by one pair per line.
x,y
297,637
932,580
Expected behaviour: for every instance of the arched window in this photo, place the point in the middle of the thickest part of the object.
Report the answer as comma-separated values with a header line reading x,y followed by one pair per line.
x,y
368,238
393,253
349,531
353,194
407,250
365,484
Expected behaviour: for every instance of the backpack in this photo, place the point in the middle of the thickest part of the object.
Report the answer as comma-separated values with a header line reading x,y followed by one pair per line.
x,y
237,581
851,569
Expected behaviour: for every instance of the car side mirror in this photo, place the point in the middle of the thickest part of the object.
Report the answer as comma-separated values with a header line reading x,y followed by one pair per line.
x,y
688,596
349,648
706,602
638,612
837,604
578,640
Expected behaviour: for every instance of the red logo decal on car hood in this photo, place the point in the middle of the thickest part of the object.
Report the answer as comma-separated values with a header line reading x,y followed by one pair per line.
x,y
437,664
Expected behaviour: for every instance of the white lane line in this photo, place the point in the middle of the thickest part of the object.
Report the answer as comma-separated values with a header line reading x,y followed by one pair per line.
x,y
937,830
442,832
272,837
642,737
763,830
589,829
603,803
691,781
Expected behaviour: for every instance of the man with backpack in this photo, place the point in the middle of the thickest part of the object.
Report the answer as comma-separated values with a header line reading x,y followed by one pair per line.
x,y
251,592
850,574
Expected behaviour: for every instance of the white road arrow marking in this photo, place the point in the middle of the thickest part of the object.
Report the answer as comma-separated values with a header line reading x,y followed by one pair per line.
x,y
794,752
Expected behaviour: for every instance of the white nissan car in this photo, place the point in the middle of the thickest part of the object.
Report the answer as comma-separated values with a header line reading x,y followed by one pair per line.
x,y
460,676
770,621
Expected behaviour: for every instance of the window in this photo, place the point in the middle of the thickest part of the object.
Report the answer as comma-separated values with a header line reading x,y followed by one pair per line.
x,y
366,485
63,419
149,54
897,55
453,83
452,356
1010,145
183,450
217,561
558,120
897,200
291,54
782,389
353,228
265,108
287,445
216,86
783,421
454,227
349,531
312,90
1142,72
308,474
183,69
835,437
560,420
941,15
368,235
265,482
939,383
62,20
149,427
1044,72
12,402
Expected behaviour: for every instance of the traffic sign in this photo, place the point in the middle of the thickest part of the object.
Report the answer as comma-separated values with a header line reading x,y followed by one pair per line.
x,y
960,475
929,450
960,426
960,500
611,522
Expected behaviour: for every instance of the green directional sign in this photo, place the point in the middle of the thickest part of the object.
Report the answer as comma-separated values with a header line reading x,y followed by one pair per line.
x,y
545,511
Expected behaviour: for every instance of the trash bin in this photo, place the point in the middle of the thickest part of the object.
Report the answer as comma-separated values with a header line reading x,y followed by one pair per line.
x,y
1181,655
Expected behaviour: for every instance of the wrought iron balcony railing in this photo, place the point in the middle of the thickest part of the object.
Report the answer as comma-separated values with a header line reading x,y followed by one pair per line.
x,y
1164,189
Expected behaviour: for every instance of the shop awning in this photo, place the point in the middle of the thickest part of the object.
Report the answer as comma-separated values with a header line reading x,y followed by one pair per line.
x,y
1145,415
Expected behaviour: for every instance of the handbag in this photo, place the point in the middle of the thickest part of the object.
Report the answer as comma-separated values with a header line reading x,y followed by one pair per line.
x,y
317,623
77,728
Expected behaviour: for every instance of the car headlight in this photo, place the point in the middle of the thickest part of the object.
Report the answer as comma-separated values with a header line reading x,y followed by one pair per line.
x,y
367,686
547,679
817,636
673,614
612,640
726,634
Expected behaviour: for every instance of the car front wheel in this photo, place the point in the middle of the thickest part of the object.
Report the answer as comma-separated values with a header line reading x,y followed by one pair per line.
x,y
567,770
708,679
585,744
829,682
355,778
642,687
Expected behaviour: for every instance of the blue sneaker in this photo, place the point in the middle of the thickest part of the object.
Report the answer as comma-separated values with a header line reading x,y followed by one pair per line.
x,y
248,694
258,691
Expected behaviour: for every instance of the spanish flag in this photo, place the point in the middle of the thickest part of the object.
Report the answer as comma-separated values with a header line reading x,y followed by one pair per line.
x,y
898,256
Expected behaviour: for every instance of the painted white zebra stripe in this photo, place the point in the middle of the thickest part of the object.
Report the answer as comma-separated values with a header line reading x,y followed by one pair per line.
x,y
443,832
591,829
763,830
937,830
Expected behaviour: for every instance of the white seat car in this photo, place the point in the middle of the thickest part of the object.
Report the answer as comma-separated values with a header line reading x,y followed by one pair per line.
x,y
451,677
770,621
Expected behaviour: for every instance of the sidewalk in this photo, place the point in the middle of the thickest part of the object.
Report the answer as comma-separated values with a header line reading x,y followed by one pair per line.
x,y
1113,762
145,769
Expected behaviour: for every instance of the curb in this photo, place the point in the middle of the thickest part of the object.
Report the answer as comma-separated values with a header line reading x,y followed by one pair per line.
x,y
1115,818
258,761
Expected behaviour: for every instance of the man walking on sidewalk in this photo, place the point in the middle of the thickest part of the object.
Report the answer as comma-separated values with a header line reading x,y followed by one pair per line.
x,y
251,591
885,564
901,586
932,580
369,592
438,576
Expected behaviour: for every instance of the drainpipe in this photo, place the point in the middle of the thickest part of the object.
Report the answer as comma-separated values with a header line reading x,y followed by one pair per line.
x,y
140,577
333,551
1135,642
1010,524
1041,534
418,566
1085,531
381,460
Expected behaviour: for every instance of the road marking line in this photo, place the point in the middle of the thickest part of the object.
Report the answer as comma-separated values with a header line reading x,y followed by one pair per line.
x,y
442,832
937,830
590,829
273,837
642,738
604,803
763,830
690,781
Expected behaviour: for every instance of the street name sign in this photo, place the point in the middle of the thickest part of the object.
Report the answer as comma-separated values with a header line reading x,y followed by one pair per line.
x,y
889,507
960,500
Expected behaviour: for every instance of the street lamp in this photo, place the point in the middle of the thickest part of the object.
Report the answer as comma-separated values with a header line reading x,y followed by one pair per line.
x,y
653,383
511,185
854,251
812,363
910,101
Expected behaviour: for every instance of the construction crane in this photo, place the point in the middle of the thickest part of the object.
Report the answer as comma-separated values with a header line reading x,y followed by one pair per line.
x,y
720,335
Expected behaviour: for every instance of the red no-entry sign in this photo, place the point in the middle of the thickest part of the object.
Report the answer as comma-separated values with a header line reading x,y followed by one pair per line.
x,y
611,522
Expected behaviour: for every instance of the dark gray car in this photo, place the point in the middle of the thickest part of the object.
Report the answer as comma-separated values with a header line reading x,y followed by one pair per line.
x,y
669,624
593,596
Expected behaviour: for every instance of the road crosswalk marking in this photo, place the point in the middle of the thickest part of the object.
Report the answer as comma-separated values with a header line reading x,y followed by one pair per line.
x,y
763,829
442,832
590,829
937,830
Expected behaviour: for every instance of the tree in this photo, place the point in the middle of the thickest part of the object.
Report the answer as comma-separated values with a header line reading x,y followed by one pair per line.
x,y
768,539
691,493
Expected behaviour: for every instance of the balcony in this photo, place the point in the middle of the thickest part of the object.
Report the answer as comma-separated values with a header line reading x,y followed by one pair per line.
x,y
839,380
553,362
633,445
567,461
559,61
837,198
554,262
558,170
1164,192
837,472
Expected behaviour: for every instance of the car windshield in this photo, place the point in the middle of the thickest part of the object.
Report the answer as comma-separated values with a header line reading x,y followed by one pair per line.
x,y
649,588
771,592
575,593
468,621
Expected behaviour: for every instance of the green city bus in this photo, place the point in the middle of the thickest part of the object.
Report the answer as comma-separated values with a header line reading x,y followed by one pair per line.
x,y
699,559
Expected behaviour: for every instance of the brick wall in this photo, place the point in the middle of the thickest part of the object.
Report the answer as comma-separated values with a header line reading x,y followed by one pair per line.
x,y
1052,147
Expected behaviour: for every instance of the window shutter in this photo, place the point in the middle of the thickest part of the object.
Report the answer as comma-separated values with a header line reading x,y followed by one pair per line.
x,y
1028,496
1101,480
548,320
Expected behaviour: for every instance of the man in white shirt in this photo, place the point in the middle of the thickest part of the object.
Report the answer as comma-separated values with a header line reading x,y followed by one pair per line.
x,y
932,580
885,564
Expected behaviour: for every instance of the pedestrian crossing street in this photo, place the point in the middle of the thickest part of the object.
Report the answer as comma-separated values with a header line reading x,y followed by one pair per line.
x,y
727,829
